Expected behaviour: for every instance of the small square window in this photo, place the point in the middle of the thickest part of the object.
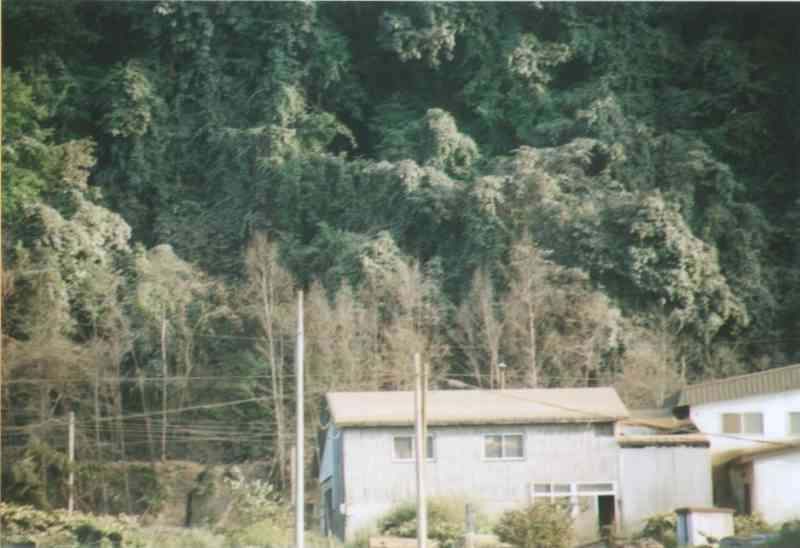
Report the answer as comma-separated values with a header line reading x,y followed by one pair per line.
x,y
504,446
561,488
512,446
794,423
493,446
731,423
404,448
753,423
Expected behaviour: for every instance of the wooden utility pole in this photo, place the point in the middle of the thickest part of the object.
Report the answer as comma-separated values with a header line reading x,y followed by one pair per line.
x,y
299,475
293,472
71,456
165,372
419,446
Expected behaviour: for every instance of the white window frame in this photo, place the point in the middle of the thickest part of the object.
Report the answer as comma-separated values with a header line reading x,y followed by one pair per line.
x,y
574,493
742,431
431,443
503,435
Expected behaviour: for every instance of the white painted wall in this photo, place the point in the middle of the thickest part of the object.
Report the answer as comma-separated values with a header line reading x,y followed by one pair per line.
x,y
656,480
374,482
776,486
775,407
696,526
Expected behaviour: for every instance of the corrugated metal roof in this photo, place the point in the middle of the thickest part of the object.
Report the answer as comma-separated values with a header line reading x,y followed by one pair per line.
x,y
476,407
764,449
781,379
691,440
660,418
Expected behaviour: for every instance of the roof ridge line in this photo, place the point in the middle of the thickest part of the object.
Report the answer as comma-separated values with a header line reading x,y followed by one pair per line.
x,y
740,377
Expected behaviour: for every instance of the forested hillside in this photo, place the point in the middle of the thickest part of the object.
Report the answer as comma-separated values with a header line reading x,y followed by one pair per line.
x,y
589,193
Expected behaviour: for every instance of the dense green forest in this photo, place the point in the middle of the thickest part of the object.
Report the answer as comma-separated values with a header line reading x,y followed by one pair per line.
x,y
589,193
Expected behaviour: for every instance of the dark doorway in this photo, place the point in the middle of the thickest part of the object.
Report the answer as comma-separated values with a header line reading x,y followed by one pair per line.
x,y
328,512
606,512
748,507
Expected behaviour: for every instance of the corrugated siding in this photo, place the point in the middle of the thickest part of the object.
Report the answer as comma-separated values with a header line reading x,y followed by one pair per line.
x,y
657,480
765,382
554,453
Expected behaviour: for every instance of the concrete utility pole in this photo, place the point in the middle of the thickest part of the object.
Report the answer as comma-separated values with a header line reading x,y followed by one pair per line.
x,y
71,456
299,475
419,446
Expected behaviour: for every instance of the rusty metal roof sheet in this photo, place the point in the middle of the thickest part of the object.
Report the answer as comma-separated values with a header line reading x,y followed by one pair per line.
x,y
781,379
477,407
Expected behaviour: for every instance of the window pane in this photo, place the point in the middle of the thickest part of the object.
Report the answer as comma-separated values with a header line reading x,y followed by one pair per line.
x,y
513,446
561,488
595,487
731,423
403,448
754,423
430,448
794,423
541,488
492,446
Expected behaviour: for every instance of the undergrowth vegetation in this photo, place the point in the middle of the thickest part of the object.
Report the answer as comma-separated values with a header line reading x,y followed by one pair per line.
x,y
539,525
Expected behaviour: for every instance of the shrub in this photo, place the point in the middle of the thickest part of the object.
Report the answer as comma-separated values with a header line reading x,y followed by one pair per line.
x,y
256,515
445,520
25,524
540,525
662,528
747,526
788,536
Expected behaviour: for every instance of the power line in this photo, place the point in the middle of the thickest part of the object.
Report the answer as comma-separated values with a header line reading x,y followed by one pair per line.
x,y
156,413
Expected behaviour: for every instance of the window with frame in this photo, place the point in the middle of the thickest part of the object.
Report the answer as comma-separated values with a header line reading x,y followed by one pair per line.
x,y
742,423
503,446
403,448
578,494
794,423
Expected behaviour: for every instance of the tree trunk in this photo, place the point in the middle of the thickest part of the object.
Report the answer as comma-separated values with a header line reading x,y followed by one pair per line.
x,y
143,395
533,373
267,301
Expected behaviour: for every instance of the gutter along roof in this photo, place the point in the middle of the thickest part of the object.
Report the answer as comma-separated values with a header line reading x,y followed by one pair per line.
x,y
781,379
670,440
478,407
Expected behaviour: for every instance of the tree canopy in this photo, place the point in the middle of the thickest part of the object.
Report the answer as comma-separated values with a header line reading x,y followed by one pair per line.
x,y
569,188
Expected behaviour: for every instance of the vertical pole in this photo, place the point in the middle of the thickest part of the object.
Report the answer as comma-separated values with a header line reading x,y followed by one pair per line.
x,y
71,450
165,372
469,527
299,475
419,446
293,472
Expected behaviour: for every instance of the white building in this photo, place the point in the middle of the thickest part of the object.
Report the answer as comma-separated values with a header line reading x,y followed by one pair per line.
x,y
754,426
503,449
